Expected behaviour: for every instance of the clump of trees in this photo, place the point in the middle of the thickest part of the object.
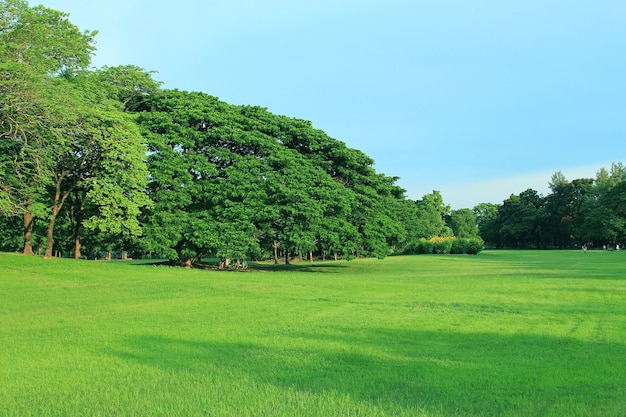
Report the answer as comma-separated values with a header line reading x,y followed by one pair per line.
x,y
588,211
101,160
235,180
67,147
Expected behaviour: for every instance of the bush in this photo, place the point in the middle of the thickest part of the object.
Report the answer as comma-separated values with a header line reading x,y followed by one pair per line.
x,y
425,246
474,246
459,246
445,245
442,245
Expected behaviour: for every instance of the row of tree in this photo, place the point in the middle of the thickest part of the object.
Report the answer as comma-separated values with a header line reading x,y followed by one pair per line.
x,y
101,160
588,211
104,159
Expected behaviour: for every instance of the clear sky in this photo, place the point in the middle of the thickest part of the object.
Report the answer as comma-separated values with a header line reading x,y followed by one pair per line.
x,y
478,99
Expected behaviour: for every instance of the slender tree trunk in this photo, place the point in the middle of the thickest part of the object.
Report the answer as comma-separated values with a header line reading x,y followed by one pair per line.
x,y
29,222
59,199
78,229
286,256
276,245
50,232
78,232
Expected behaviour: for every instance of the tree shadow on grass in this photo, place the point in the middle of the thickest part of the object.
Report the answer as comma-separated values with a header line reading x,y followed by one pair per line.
x,y
441,372
267,267
326,266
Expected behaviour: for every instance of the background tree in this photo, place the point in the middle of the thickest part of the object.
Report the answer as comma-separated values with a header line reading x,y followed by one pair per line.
x,y
463,223
521,220
432,213
603,215
487,223
563,209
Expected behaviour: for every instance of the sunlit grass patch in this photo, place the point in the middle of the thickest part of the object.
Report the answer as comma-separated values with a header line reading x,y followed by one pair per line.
x,y
498,334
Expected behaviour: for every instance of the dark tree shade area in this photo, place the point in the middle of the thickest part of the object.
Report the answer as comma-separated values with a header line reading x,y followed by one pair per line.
x,y
95,161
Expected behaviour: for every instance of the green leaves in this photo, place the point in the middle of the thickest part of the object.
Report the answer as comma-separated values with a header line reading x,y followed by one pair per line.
x,y
248,181
222,179
42,39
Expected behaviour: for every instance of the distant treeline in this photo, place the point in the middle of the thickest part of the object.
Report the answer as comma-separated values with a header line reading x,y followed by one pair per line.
x,y
588,211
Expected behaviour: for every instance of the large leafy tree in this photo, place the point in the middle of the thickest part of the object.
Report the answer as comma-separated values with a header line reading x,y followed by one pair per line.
x,y
522,218
603,217
235,180
563,209
98,158
206,177
432,212
63,137
369,224
36,45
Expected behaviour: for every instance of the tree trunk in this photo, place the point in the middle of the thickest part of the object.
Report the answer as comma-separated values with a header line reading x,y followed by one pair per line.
x,y
29,222
286,256
276,245
77,247
59,199
50,232
78,230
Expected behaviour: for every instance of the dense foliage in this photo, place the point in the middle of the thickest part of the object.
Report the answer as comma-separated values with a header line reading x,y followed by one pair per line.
x,y
584,211
238,180
100,160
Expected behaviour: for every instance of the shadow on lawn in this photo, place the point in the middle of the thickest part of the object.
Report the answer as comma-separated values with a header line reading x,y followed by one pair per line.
x,y
267,267
252,266
441,372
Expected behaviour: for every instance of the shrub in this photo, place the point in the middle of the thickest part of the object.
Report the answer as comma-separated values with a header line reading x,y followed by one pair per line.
x,y
474,246
459,246
445,245
425,246
442,245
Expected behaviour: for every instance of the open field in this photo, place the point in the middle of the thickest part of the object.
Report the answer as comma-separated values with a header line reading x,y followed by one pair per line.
x,y
510,333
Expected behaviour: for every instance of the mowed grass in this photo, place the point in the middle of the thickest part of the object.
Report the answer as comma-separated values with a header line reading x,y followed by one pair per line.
x,y
503,333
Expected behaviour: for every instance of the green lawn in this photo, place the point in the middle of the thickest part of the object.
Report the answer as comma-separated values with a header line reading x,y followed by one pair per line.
x,y
503,333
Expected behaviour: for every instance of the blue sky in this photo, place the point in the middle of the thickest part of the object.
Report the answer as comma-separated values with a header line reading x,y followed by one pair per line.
x,y
477,99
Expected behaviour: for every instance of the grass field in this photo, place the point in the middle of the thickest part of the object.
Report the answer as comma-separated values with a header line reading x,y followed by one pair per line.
x,y
503,333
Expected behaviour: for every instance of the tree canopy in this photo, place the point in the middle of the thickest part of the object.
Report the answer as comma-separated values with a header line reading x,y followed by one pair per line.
x,y
96,160
582,211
